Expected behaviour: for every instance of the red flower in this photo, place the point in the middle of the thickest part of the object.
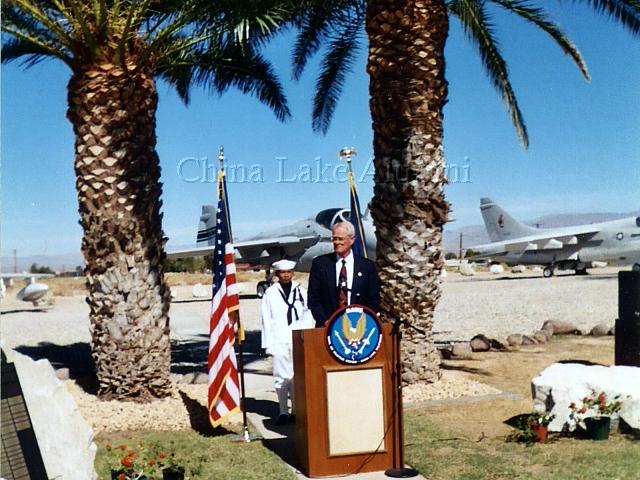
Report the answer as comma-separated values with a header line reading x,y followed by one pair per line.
x,y
151,462
601,397
583,410
161,455
123,447
572,405
122,476
127,462
131,454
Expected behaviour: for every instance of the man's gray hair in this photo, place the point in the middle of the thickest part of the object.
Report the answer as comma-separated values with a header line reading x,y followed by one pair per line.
x,y
348,227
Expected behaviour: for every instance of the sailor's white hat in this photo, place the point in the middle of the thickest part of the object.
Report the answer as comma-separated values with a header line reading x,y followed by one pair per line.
x,y
283,265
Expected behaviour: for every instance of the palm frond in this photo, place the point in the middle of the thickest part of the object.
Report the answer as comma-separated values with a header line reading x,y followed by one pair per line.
x,y
224,65
178,72
479,30
627,12
34,51
318,20
42,14
540,19
342,51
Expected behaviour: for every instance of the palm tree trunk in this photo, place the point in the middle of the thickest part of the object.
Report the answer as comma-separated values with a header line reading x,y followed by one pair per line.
x,y
112,110
408,92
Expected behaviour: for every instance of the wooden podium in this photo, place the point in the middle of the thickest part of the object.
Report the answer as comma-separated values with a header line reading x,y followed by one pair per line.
x,y
345,414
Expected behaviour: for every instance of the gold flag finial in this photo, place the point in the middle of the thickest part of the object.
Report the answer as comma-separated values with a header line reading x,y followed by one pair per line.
x,y
347,152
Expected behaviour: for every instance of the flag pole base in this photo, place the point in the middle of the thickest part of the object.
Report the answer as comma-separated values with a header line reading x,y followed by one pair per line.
x,y
245,437
405,472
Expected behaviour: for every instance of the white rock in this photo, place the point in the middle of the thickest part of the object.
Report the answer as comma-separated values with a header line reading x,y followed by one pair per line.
x,y
65,439
201,291
597,264
443,273
467,270
536,269
518,269
561,384
496,268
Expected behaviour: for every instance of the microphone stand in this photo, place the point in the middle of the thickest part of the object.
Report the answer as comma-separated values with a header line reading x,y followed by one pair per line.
x,y
399,470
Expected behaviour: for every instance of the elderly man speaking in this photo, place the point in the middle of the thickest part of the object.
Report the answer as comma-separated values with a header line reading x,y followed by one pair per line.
x,y
341,278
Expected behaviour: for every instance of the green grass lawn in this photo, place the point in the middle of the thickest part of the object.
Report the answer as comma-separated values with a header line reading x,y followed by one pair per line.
x,y
204,457
439,453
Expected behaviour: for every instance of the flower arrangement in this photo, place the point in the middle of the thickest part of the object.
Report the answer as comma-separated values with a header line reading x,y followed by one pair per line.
x,y
167,462
530,428
541,418
128,463
594,405
141,463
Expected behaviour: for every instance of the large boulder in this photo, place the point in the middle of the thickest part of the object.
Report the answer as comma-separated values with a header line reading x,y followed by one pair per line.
x,y
461,351
496,268
560,384
480,343
541,337
201,291
65,440
515,339
466,269
559,327
600,330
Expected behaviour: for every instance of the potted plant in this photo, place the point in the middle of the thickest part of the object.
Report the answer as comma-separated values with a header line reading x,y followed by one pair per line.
x,y
594,414
530,428
539,422
172,469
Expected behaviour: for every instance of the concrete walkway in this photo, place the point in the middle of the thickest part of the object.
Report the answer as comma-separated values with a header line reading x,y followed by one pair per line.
x,y
262,408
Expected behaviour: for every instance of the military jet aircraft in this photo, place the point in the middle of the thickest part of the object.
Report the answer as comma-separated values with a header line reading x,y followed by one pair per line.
x,y
301,241
566,248
32,292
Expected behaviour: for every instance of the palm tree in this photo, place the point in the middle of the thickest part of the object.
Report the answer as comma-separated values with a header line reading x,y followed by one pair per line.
x,y
116,50
408,91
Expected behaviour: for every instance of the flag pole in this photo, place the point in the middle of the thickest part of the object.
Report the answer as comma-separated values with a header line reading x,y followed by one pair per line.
x,y
347,153
244,437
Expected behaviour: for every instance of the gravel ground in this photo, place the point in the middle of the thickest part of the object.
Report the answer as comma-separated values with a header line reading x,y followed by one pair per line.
x,y
498,306
493,305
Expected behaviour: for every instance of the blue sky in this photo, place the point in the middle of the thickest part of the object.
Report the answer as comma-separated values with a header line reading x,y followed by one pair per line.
x,y
584,154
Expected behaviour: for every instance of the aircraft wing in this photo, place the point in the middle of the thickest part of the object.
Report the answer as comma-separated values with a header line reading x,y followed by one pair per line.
x,y
252,251
555,239
551,239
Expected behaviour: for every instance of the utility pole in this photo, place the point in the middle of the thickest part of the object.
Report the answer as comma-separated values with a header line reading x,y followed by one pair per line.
x,y
15,260
460,248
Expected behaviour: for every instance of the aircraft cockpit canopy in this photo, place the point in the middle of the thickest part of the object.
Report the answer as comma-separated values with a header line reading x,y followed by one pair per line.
x,y
328,218
638,221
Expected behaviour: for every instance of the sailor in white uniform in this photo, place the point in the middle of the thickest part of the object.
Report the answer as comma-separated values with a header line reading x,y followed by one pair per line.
x,y
284,308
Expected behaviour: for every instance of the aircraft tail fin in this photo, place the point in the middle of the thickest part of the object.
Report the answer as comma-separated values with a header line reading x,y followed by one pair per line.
x,y
206,226
499,224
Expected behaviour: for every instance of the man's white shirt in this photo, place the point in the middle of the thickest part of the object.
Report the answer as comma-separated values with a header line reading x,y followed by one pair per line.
x,y
349,265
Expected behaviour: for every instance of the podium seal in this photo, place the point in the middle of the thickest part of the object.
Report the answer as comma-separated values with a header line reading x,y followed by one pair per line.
x,y
354,334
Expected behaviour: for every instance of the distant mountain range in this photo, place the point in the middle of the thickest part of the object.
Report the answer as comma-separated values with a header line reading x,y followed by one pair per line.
x,y
64,262
471,235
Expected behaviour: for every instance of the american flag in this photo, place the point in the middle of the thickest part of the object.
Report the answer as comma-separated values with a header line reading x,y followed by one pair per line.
x,y
224,395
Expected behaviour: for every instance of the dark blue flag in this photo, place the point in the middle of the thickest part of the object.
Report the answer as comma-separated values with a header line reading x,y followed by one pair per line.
x,y
359,245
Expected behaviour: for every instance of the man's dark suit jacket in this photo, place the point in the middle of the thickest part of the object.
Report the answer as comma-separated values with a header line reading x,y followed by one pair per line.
x,y
323,288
